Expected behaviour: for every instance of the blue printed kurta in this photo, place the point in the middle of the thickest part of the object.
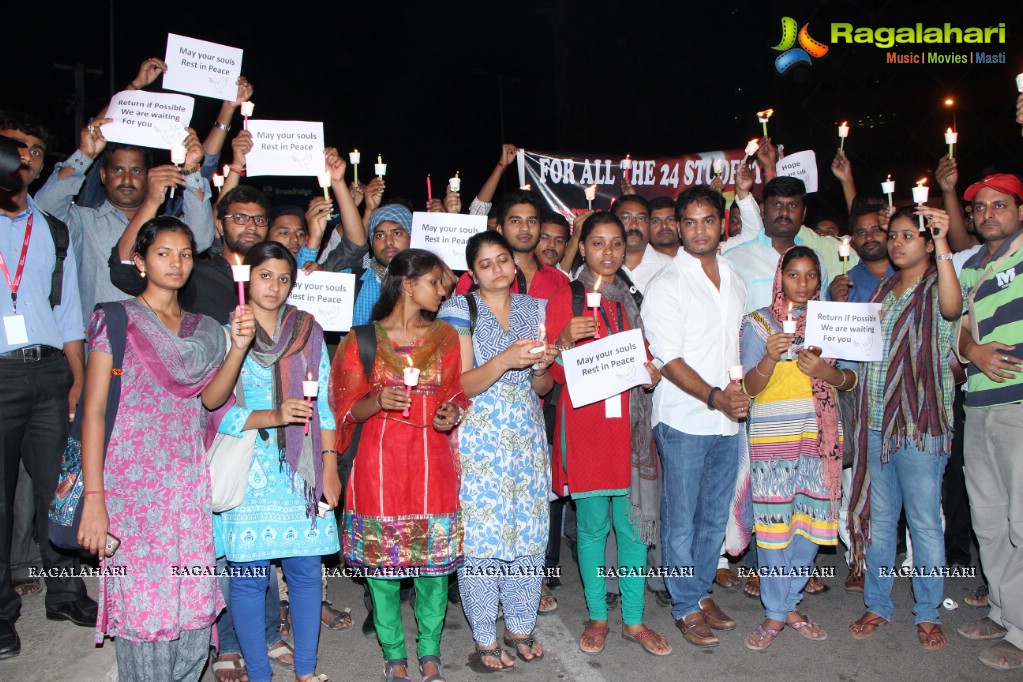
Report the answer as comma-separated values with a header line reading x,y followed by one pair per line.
x,y
503,446
271,521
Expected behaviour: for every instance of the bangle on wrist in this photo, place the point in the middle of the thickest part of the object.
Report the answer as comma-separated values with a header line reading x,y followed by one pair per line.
x,y
237,171
756,368
377,400
131,84
323,452
226,127
945,256
710,397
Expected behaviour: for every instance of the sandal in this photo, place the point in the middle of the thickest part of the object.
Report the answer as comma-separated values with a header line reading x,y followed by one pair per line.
x,y
815,586
641,638
978,597
284,627
315,677
866,626
339,620
761,638
278,651
26,586
594,631
808,628
222,664
932,638
548,602
752,587
436,677
727,579
1002,656
985,628
528,642
496,653
389,667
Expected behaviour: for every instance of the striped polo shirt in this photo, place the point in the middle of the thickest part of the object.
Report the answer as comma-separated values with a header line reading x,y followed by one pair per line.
x,y
999,312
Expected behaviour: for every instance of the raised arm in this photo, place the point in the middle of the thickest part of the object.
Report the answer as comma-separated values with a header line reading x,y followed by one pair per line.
x,y
947,175
842,169
214,142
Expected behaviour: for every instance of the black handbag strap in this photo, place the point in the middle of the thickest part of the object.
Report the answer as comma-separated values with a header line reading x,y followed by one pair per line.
x,y
117,332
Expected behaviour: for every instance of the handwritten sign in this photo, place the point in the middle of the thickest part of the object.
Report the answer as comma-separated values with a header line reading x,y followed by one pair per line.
x,y
847,331
446,234
606,367
285,148
802,165
148,119
202,68
329,296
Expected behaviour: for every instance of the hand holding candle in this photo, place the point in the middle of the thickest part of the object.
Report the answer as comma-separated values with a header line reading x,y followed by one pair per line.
x,y
241,275
247,108
411,379
789,327
888,187
591,194
735,374
920,197
310,388
763,117
844,251
380,168
177,153
355,157
455,183
843,132
324,180
593,301
719,165
751,148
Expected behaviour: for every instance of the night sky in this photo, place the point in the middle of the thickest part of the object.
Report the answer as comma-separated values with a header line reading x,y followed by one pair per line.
x,y
423,83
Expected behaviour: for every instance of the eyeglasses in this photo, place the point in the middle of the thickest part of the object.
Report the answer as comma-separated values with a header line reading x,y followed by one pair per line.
x,y
244,218
639,217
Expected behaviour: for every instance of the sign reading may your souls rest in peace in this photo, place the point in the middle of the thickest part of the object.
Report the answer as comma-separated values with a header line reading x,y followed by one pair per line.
x,y
446,234
609,366
202,68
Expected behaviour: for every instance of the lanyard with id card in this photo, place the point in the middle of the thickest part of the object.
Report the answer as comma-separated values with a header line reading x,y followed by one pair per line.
x,y
613,405
15,331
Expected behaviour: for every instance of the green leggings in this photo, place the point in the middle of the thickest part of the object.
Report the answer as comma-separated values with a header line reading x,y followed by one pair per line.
x,y
431,607
593,523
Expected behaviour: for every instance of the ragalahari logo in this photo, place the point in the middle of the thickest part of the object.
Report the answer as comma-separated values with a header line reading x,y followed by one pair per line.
x,y
808,49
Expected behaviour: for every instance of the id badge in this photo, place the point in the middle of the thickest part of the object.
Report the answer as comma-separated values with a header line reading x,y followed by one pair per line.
x,y
613,407
14,330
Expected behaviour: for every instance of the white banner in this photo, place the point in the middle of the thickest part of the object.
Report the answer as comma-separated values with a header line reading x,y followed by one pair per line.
x,y
285,148
446,234
329,296
606,367
802,165
202,68
847,331
148,119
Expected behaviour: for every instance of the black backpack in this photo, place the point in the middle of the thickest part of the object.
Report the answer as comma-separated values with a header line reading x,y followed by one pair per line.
x,y
366,339
61,241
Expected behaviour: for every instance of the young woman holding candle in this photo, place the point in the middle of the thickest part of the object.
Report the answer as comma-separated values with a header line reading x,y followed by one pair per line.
x,y
905,429
402,515
151,487
503,451
795,439
292,467
604,452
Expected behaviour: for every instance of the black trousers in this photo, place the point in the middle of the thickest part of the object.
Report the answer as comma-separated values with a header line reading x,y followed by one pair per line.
x,y
954,502
33,430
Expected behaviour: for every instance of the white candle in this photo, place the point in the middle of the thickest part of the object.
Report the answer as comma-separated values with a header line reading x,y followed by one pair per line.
x,y
843,130
591,192
380,168
323,509
735,373
241,272
323,178
719,165
310,388
455,183
920,193
227,169
247,108
844,247
218,180
888,186
1019,82
526,187
592,299
789,326
627,163
178,153
411,376
751,147
355,157
542,338
951,137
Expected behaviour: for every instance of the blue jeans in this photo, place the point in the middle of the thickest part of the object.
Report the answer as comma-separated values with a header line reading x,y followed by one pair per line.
x,y
910,479
699,478
781,589
227,638
248,599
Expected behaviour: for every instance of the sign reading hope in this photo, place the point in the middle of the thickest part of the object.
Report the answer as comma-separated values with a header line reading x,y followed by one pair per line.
x,y
202,68
609,366
802,165
328,296
446,234
148,119
847,331
285,148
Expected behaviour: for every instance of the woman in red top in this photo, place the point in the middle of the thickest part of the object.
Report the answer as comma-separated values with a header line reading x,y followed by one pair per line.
x,y
604,452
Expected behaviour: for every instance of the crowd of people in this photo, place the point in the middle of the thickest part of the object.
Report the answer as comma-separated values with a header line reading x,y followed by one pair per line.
x,y
444,458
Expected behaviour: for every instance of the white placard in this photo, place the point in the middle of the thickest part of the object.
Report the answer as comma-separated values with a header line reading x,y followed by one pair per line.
x,y
446,234
202,68
606,367
847,331
802,165
148,119
285,148
329,296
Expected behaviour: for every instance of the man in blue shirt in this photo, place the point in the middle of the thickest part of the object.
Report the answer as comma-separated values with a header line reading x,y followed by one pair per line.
x,y
42,365
870,240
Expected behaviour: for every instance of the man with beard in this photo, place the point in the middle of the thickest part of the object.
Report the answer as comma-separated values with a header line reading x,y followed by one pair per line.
x,y
870,241
390,233
784,212
642,261
663,228
554,234
128,179
518,219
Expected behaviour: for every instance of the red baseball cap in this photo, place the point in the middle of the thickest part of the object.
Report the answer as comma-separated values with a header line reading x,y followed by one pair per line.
x,y
1006,183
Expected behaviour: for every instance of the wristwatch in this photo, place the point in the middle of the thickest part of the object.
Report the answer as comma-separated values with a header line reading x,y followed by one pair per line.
x,y
710,397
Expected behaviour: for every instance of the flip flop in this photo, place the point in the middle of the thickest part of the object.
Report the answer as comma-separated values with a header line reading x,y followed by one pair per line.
x,y
594,631
804,628
756,642
497,653
868,620
931,639
643,635
280,649
1002,650
516,642
237,666
342,620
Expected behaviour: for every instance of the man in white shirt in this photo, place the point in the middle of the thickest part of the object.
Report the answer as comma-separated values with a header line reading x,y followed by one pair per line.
x,y
692,313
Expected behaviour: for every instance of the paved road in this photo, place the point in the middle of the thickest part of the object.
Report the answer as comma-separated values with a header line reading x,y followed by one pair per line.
x,y
53,651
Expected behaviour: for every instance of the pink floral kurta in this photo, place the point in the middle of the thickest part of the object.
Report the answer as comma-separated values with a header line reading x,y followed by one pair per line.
x,y
159,502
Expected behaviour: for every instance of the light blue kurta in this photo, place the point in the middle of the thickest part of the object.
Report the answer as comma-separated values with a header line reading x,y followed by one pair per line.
x,y
271,521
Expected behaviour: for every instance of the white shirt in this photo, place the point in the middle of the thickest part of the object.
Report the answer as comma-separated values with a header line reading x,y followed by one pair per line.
x,y
686,317
653,262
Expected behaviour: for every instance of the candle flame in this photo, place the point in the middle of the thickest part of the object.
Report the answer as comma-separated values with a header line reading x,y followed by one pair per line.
x,y
765,114
628,156
845,124
593,187
948,132
526,187
889,177
790,308
920,182
227,169
596,286
308,376
408,358
458,173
